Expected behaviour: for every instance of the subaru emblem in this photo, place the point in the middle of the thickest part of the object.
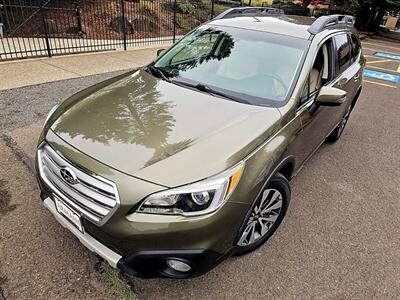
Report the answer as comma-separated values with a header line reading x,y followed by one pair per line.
x,y
68,175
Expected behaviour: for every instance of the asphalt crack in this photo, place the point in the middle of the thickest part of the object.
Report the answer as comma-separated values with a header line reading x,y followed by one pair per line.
x,y
19,153
5,199
3,280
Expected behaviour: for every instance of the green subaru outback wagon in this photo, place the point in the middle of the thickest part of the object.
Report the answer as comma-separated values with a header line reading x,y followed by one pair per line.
x,y
169,169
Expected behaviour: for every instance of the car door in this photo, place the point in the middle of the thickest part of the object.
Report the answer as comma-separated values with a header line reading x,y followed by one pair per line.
x,y
318,121
348,70
356,67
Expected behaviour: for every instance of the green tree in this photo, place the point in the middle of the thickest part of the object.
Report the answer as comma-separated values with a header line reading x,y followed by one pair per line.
x,y
369,12
351,6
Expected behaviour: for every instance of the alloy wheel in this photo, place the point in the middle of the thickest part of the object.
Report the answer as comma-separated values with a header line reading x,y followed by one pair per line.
x,y
343,123
262,218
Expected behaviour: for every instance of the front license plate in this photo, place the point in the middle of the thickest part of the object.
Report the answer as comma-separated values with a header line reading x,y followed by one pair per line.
x,y
69,214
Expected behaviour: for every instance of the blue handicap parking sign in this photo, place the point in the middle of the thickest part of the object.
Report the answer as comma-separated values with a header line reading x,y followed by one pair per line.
x,y
387,55
381,76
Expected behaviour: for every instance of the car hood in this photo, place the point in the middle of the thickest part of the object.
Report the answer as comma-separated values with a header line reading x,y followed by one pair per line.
x,y
161,132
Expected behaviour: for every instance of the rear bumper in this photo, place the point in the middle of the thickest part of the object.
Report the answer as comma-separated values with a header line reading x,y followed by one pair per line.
x,y
145,264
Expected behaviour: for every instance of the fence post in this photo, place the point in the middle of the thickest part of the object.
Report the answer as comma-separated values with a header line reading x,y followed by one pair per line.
x,y
78,16
123,22
212,9
46,30
174,25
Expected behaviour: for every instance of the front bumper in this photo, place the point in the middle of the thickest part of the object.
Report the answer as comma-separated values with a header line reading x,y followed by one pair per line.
x,y
145,264
140,244
86,239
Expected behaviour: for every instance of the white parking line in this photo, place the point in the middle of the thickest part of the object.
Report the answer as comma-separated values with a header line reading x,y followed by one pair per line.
x,y
380,50
382,84
382,45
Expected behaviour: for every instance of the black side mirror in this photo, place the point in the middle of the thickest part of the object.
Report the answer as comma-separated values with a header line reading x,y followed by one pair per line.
x,y
160,52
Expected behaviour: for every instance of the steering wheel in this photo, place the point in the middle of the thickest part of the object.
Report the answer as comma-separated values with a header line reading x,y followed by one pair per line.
x,y
280,92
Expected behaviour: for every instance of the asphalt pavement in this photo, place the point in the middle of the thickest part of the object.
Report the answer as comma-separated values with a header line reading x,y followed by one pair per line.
x,y
340,238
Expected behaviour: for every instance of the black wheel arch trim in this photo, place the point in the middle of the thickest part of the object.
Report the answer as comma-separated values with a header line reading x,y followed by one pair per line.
x,y
356,97
287,160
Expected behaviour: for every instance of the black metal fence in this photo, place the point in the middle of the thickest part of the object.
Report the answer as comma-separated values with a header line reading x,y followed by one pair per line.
x,y
30,28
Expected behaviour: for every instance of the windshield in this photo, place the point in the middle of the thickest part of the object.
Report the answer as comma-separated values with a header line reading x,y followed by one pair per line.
x,y
255,66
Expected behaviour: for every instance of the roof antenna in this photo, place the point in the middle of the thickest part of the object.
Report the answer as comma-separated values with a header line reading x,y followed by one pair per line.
x,y
258,20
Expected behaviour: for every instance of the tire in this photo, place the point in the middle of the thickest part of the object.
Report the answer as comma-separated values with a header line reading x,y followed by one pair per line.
x,y
335,135
265,221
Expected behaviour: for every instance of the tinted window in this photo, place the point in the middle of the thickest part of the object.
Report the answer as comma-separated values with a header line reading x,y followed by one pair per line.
x,y
356,46
258,67
343,49
320,74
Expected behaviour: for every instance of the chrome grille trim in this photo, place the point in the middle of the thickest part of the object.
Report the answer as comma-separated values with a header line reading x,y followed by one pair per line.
x,y
94,197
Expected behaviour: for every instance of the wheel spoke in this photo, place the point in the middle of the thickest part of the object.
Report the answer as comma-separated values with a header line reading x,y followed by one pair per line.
x,y
270,219
244,238
272,206
265,196
253,233
271,196
264,228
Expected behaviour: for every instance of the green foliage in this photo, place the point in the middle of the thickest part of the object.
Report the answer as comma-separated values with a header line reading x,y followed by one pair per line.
x,y
257,2
369,13
351,6
118,288
185,7
220,8
184,24
285,5
148,7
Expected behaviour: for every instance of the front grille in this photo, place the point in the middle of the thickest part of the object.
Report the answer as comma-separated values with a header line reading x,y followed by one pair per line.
x,y
92,196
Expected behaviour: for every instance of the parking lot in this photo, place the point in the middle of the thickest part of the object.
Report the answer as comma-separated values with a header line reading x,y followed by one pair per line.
x,y
339,240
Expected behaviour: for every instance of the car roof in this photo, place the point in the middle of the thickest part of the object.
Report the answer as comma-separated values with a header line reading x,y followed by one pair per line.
x,y
296,26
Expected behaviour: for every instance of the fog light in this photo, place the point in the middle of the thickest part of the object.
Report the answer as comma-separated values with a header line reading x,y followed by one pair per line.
x,y
178,265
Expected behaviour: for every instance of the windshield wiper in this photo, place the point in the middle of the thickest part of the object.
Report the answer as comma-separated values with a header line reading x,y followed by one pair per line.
x,y
159,72
205,88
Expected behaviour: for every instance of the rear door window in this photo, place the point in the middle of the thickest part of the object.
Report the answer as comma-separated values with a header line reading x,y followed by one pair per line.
x,y
343,48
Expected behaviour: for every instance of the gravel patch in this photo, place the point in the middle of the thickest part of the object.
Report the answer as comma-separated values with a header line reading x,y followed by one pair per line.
x,y
22,106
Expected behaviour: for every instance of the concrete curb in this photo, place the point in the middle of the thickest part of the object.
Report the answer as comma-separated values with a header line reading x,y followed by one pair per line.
x,y
27,72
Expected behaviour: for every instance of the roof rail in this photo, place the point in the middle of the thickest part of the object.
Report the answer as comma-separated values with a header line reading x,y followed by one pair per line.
x,y
249,11
325,21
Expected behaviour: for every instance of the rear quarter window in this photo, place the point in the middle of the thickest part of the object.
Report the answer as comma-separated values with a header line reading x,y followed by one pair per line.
x,y
356,46
343,49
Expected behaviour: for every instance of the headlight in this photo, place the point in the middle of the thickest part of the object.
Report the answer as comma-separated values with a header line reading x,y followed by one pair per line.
x,y
50,113
194,199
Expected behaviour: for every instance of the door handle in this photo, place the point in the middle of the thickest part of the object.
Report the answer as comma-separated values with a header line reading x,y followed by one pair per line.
x,y
342,82
356,77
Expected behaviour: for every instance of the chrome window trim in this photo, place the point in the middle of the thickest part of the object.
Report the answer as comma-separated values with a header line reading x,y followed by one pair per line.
x,y
310,100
